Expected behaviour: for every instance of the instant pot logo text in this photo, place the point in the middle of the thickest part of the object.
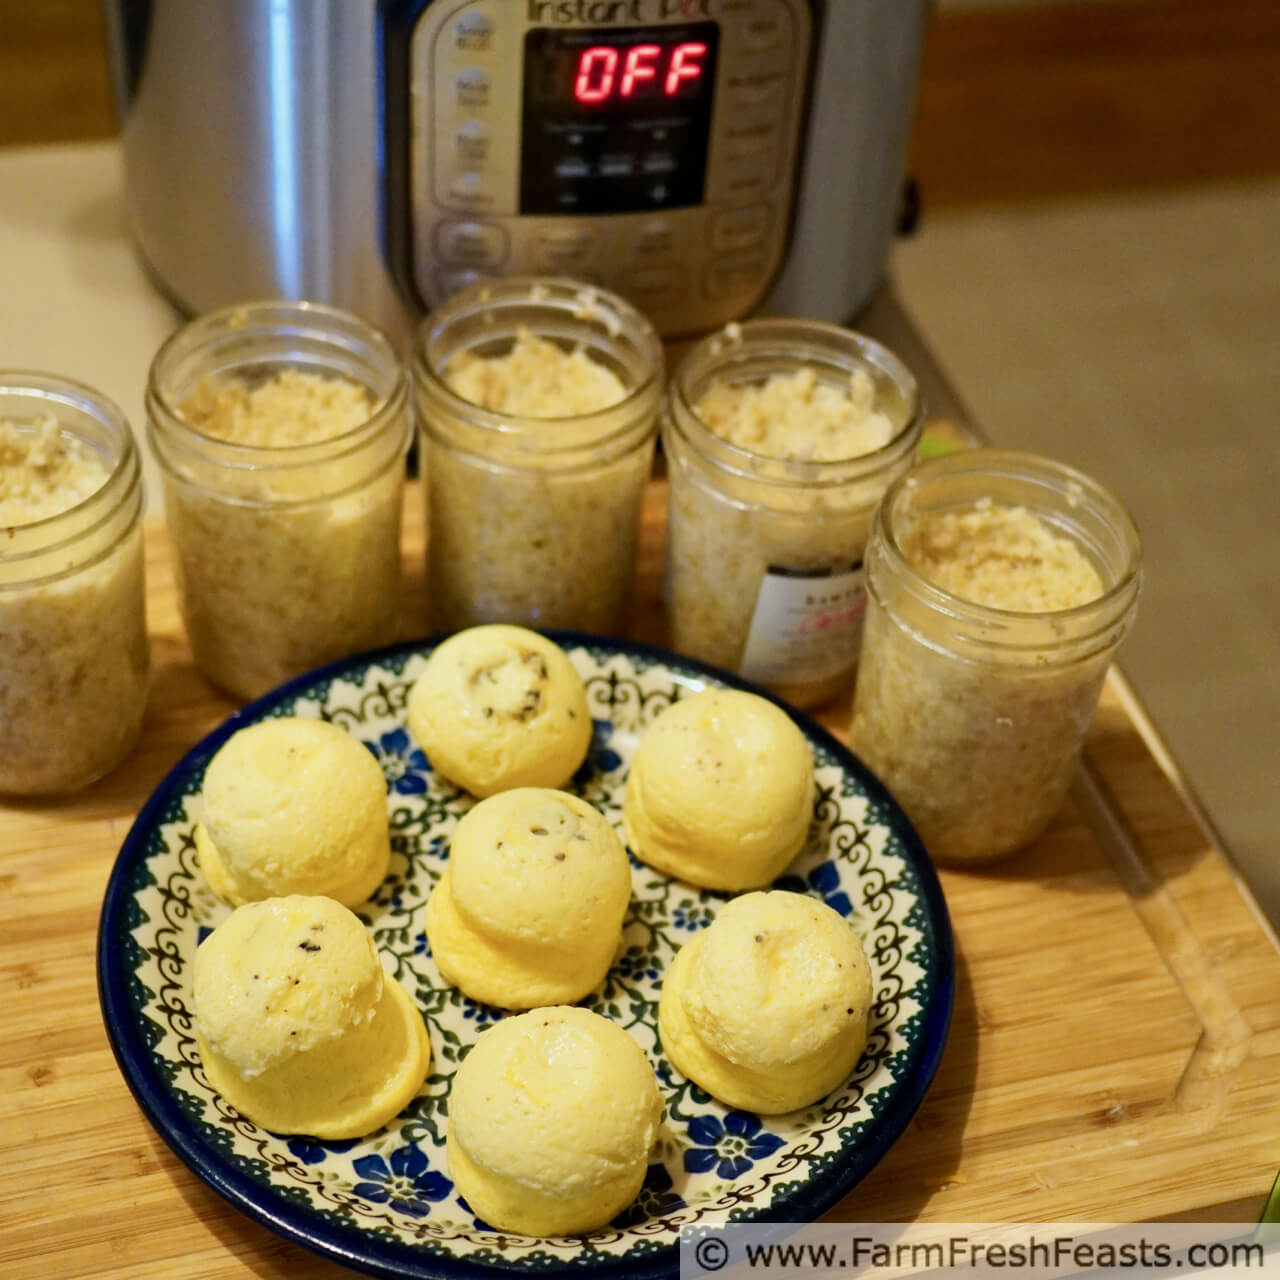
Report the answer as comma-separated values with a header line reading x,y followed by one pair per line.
x,y
606,12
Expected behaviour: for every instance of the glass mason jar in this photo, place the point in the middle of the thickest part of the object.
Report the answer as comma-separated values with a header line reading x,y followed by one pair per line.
x,y
74,662
535,520
974,716
764,555
286,556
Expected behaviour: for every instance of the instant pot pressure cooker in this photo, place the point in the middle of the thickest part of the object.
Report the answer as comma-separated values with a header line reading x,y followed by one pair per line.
x,y
705,158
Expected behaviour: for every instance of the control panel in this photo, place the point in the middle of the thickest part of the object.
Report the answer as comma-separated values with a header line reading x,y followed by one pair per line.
x,y
648,146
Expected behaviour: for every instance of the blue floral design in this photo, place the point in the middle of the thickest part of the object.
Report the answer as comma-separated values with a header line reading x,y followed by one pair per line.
x,y
421,947
313,1151
636,963
403,765
404,1183
480,1223
730,1146
601,757
825,880
691,916
657,1196
390,895
480,1013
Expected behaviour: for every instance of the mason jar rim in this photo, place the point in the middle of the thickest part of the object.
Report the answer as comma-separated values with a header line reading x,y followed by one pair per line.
x,y
559,294
49,533
1013,464
788,336
212,325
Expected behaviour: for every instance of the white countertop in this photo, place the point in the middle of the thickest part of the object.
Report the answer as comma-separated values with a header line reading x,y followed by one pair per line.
x,y
76,300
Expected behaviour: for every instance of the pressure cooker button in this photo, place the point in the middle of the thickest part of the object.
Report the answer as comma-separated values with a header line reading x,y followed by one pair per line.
x,y
659,162
750,141
471,144
654,286
473,244
473,32
573,167
751,158
472,87
658,238
450,282
471,190
762,33
759,88
736,274
564,248
740,228
746,182
616,166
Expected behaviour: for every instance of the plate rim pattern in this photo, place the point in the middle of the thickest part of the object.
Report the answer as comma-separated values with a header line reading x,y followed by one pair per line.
x,y
376,1255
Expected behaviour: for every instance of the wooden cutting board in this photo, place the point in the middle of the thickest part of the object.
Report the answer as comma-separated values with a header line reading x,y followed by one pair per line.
x,y
1113,1053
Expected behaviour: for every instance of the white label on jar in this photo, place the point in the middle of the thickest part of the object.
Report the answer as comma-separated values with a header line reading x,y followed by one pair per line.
x,y
807,626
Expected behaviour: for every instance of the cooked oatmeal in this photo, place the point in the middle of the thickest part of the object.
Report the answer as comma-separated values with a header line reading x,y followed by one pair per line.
x,y
74,665
290,408
43,472
533,516
798,416
270,591
750,541
532,545
535,379
283,565
1002,557
978,739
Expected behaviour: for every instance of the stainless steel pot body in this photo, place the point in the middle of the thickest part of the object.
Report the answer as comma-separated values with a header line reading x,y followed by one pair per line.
x,y
262,141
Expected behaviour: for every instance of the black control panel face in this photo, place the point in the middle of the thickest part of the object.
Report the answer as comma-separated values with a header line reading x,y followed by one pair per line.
x,y
616,120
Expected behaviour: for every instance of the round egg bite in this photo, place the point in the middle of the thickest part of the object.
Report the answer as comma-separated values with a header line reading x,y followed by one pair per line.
x,y
720,792
500,707
293,806
529,910
767,1008
298,1026
552,1116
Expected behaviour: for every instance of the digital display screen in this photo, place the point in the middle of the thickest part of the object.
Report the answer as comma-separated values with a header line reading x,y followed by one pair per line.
x,y
607,74
616,120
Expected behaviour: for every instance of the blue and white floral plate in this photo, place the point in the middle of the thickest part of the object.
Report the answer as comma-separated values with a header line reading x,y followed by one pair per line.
x,y
386,1204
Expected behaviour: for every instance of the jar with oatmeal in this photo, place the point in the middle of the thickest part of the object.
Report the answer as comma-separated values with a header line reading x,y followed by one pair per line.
x,y
781,435
538,400
1000,585
280,429
74,661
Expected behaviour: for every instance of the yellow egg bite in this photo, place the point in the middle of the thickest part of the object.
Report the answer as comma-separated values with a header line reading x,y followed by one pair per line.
x,y
298,1026
293,806
767,1008
552,1117
500,707
529,911
720,792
